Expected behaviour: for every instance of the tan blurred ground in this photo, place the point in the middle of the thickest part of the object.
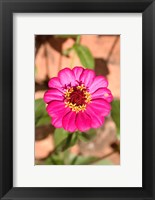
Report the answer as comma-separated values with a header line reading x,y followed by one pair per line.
x,y
48,61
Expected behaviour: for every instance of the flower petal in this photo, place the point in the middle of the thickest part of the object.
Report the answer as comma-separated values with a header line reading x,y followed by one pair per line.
x,y
99,82
53,94
77,72
55,83
83,121
102,93
87,77
68,121
100,106
66,77
96,119
56,122
56,108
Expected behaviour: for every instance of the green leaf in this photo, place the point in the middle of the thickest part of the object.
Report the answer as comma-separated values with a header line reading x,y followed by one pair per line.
x,y
84,160
103,162
118,134
84,55
74,139
44,120
67,51
90,160
40,108
68,142
41,116
86,137
115,113
57,159
78,39
67,158
66,36
83,137
48,161
54,160
59,135
91,133
74,159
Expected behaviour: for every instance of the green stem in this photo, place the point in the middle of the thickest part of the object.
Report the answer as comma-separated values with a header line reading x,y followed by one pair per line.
x,y
78,39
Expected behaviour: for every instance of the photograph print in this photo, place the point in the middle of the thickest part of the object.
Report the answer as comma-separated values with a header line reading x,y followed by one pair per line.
x,y
77,100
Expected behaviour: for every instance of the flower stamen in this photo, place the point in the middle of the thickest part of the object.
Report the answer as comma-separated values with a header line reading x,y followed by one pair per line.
x,y
77,98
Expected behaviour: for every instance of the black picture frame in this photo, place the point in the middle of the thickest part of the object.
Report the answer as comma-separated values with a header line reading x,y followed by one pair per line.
x,y
7,8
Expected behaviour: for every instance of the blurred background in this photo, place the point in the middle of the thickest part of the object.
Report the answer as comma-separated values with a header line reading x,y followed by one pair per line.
x,y
99,52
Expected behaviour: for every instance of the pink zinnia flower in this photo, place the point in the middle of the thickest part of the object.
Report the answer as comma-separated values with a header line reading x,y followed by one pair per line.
x,y
77,99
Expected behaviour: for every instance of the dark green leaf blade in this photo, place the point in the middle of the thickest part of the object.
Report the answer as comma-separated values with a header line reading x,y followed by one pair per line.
x,y
59,135
68,142
84,160
103,162
84,55
40,108
86,137
44,120
41,115
66,36
66,52
54,160
91,160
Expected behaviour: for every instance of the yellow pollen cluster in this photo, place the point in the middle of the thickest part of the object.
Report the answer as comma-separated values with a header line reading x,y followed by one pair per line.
x,y
81,87
68,92
77,108
88,97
